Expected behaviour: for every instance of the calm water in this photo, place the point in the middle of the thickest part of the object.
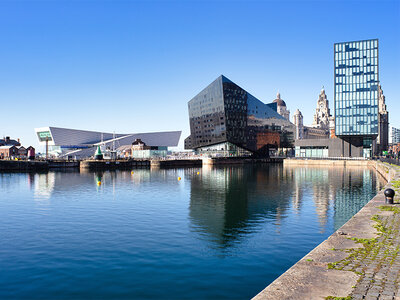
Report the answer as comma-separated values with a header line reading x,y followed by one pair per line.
x,y
222,233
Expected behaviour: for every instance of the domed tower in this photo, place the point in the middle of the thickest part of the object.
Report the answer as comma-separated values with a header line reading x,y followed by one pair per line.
x,y
281,107
298,122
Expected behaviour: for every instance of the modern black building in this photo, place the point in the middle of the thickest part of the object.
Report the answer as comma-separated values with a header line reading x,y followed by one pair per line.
x,y
228,121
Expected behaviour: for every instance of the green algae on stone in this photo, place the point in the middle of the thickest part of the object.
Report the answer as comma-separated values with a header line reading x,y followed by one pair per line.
x,y
371,252
394,209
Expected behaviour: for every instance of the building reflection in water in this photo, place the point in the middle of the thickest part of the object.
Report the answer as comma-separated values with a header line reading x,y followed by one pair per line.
x,y
342,190
44,185
49,183
228,203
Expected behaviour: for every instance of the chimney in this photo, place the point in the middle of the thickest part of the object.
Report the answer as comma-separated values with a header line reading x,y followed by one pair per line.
x,y
7,139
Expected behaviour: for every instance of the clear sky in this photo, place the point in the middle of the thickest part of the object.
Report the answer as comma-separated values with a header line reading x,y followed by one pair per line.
x,y
132,66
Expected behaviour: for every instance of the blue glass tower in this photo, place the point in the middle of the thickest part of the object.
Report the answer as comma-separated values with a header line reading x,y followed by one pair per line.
x,y
356,92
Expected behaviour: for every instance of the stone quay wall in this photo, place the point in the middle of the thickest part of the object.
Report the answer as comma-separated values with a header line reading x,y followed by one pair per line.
x,y
353,262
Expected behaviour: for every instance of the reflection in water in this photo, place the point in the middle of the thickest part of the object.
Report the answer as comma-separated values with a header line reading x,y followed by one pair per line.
x,y
44,185
48,183
227,203
346,189
315,181
220,232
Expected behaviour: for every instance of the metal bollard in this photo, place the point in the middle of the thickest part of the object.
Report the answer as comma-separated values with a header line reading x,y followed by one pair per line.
x,y
389,195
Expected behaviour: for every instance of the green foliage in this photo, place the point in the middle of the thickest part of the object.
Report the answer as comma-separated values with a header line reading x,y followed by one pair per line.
x,y
394,209
332,265
372,248
396,183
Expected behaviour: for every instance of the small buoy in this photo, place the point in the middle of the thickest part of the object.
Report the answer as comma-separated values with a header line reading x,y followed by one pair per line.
x,y
198,173
179,178
98,182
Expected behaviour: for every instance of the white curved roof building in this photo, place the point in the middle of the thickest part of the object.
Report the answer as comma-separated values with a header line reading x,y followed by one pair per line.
x,y
82,143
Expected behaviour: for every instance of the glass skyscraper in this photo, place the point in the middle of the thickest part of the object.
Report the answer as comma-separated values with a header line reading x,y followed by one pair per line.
x,y
356,91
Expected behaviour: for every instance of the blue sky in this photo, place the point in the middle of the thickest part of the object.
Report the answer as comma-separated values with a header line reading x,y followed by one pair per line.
x,y
132,66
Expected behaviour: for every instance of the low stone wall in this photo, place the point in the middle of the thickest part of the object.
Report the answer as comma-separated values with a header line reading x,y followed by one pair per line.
x,y
23,165
327,162
310,277
55,164
113,164
386,170
239,160
176,163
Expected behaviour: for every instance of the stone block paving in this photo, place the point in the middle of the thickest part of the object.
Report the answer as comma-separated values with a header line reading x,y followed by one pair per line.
x,y
378,262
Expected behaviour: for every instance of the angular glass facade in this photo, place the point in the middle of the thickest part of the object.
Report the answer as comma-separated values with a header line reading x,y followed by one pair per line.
x,y
356,88
224,112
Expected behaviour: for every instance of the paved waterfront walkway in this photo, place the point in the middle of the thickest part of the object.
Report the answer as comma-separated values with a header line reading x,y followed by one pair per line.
x,y
378,261
359,261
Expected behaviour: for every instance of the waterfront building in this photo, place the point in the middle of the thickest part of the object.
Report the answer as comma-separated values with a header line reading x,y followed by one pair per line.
x,y
7,141
9,151
226,120
359,128
73,143
10,148
298,122
394,135
139,149
322,112
332,134
394,149
22,151
281,107
320,126
356,79
382,140
315,133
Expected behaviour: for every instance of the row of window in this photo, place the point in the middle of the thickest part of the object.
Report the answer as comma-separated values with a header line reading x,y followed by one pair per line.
x,y
357,55
363,102
358,87
356,130
363,72
351,120
356,46
356,71
357,109
345,91
235,91
343,65
357,81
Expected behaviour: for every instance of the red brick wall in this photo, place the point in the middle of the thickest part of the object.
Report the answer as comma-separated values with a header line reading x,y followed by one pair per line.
x,y
268,138
8,152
